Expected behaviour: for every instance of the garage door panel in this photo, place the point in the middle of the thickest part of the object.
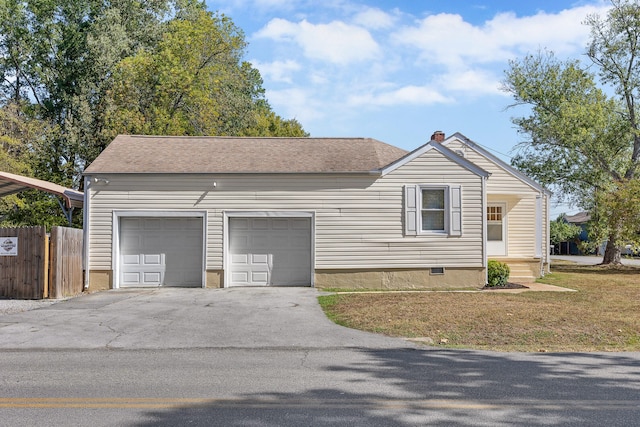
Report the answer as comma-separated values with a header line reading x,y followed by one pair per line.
x,y
259,259
301,224
239,224
270,251
152,278
130,241
131,277
280,224
259,277
240,277
260,224
131,224
152,224
153,259
259,242
131,259
299,241
161,251
240,259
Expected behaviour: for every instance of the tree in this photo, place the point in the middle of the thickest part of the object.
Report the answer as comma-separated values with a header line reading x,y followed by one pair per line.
x,y
619,205
193,83
267,123
58,55
579,140
561,231
89,69
19,136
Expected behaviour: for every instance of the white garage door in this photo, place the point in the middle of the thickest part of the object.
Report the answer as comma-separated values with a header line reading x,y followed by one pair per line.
x,y
160,252
270,251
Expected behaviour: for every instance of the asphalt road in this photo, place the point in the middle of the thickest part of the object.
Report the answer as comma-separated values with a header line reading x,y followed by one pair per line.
x,y
274,377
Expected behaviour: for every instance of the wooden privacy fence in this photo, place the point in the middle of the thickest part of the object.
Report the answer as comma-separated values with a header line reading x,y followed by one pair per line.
x,y
34,265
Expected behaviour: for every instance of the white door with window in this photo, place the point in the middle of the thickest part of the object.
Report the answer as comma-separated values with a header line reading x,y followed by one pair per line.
x,y
496,229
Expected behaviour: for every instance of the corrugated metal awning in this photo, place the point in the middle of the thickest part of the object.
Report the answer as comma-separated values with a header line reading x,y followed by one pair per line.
x,y
11,184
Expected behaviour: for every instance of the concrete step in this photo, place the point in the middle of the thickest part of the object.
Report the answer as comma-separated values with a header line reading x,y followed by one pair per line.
x,y
520,273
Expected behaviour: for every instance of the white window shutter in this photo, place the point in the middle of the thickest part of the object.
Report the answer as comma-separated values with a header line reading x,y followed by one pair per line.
x,y
455,210
410,210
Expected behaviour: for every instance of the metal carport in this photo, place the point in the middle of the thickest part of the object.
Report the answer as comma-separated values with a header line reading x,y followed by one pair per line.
x,y
12,184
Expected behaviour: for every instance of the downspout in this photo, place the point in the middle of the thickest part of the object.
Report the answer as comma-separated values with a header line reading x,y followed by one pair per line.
x,y
541,244
484,230
548,234
85,231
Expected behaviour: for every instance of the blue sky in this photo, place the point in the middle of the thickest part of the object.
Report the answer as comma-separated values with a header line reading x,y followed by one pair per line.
x,y
398,70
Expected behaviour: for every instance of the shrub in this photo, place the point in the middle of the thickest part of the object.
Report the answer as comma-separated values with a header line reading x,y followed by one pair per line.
x,y
498,273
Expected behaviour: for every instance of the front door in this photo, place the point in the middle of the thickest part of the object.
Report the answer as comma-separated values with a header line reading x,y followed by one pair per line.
x,y
496,229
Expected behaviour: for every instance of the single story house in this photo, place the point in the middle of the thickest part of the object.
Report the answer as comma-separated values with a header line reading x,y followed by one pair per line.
x,y
325,212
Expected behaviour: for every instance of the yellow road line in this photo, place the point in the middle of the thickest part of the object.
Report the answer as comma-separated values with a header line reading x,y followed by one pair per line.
x,y
167,403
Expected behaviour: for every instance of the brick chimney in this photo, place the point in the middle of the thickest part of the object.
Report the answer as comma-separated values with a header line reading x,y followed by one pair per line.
x,y
438,136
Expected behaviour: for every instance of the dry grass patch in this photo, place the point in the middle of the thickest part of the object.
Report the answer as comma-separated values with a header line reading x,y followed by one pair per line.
x,y
604,315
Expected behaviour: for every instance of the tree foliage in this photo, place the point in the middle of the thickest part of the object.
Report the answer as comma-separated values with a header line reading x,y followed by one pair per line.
x,y
620,206
582,135
193,83
561,231
90,69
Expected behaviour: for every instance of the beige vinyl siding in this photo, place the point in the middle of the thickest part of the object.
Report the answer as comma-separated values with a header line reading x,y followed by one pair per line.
x,y
520,199
358,219
521,224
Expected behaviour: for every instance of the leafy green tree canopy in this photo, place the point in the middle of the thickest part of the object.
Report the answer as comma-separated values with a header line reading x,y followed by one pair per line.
x,y
193,82
578,139
87,70
561,231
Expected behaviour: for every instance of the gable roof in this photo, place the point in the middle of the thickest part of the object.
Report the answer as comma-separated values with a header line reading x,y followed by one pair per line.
x,y
432,145
218,154
11,183
503,165
579,218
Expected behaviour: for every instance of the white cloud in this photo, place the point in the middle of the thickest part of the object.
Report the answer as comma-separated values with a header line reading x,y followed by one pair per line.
x,y
336,42
374,19
346,63
277,71
296,103
415,95
448,39
471,82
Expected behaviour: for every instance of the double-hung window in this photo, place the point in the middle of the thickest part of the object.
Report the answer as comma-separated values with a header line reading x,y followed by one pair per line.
x,y
433,209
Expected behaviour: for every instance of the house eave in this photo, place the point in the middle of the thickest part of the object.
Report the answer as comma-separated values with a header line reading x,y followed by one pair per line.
x,y
500,163
369,172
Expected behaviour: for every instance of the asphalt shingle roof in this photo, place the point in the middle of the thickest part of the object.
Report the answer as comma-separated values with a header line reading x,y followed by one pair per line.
x,y
215,154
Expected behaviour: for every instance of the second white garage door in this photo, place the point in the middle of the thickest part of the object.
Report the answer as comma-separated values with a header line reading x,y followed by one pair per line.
x,y
270,251
158,251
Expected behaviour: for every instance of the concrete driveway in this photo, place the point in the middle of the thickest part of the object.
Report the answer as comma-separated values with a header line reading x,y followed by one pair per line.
x,y
173,318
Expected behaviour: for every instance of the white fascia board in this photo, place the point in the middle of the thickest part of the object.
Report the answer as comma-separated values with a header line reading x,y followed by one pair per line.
x,y
500,163
431,145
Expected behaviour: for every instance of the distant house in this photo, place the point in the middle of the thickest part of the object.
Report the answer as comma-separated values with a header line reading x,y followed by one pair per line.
x,y
580,219
325,212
